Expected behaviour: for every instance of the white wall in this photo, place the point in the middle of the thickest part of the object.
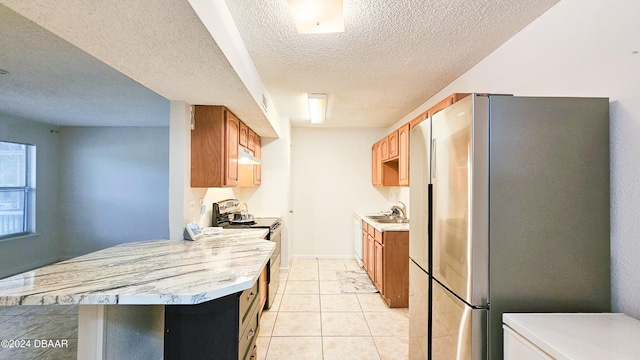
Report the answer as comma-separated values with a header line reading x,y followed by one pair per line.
x,y
272,197
582,48
114,185
28,252
331,172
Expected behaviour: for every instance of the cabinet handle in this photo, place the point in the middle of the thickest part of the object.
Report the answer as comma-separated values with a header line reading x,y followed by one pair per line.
x,y
251,296
252,333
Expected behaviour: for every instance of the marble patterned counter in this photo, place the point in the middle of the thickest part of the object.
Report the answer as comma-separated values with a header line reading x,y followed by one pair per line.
x,y
124,291
153,272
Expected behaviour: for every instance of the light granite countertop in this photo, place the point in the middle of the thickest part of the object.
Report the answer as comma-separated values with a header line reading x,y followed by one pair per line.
x,y
382,227
150,272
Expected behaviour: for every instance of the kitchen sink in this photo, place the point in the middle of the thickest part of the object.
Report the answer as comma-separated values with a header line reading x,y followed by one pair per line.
x,y
382,217
388,219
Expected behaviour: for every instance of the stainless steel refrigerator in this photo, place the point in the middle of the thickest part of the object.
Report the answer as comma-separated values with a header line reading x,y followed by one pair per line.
x,y
509,206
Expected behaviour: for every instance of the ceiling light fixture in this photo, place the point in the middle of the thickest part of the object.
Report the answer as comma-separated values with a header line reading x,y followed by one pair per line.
x,y
317,16
317,108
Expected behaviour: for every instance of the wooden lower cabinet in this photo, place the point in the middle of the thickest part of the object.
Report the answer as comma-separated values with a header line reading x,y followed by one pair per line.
x,y
365,245
378,278
386,260
371,256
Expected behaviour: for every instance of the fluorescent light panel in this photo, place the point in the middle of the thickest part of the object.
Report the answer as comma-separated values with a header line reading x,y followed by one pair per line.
x,y
317,16
317,108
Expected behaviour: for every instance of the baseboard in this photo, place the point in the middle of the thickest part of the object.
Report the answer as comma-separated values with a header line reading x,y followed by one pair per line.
x,y
324,257
27,267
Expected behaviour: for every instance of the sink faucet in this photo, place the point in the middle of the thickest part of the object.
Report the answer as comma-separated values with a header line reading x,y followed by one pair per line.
x,y
400,210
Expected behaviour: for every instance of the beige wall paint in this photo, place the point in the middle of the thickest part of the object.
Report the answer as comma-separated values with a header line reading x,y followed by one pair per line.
x,y
331,171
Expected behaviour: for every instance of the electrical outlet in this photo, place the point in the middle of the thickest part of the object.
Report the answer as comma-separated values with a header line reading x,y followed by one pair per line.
x,y
192,205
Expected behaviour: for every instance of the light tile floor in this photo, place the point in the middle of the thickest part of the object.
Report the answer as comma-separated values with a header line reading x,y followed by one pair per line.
x,y
312,319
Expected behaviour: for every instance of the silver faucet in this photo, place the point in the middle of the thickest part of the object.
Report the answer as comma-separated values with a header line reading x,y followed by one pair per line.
x,y
400,210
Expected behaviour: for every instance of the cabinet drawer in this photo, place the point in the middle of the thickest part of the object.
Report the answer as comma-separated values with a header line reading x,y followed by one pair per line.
x,y
247,340
247,300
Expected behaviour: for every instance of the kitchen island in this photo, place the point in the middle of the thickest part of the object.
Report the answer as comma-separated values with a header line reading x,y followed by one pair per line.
x,y
123,291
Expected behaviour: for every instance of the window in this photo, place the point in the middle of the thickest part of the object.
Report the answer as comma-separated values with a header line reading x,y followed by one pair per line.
x,y
17,189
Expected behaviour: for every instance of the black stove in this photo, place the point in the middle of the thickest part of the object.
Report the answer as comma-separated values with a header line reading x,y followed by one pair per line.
x,y
256,222
228,214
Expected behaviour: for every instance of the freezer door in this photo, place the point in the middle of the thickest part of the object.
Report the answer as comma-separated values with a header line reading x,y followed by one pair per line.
x,y
459,174
459,331
420,142
419,296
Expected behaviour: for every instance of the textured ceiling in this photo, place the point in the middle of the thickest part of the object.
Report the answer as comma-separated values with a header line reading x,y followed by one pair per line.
x,y
53,81
393,56
161,45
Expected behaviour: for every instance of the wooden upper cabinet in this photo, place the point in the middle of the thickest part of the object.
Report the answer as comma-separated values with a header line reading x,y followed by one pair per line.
x,y
446,102
403,158
390,156
384,149
244,134
257,169
231,159
251,175
393,145
417,120
251,141
376,164
214,147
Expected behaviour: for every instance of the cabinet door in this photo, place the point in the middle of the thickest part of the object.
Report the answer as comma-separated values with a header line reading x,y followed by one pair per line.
x,y
371,255
384,149
449,100
403,158
257,169
244,134
232,131
376,166
251,142
392,139
378,278
365,246
417,120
